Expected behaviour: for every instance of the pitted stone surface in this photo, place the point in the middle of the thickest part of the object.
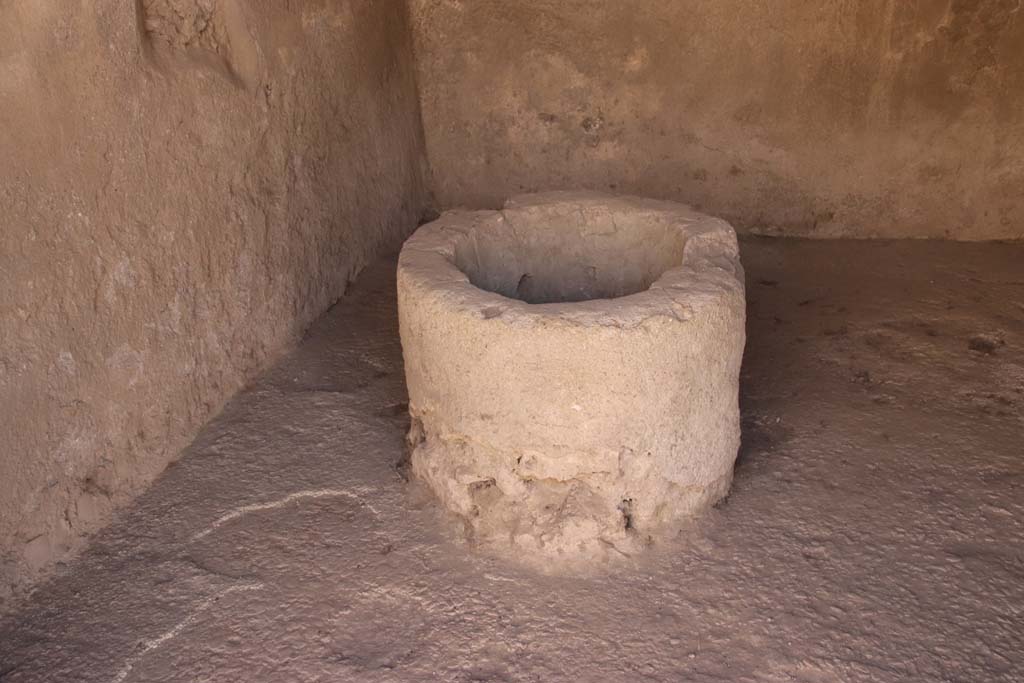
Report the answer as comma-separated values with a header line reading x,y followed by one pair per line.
x,y
573,364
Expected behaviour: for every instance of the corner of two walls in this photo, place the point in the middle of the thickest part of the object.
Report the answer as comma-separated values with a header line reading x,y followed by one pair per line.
x,y
186,185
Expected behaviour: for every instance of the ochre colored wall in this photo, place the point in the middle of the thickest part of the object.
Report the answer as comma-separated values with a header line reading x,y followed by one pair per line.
x,y
875,118
184,185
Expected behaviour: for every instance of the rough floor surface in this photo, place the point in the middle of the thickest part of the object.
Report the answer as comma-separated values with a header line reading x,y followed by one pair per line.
x,y
874,531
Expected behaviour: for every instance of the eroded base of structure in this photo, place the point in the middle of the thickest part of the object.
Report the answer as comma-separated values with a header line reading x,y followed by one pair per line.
x,y
576,519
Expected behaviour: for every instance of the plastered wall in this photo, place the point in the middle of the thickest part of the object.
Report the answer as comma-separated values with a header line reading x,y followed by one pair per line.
x,y
185,185
875,118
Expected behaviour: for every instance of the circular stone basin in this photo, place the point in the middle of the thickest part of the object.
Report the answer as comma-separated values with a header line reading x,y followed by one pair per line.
x,y
573,363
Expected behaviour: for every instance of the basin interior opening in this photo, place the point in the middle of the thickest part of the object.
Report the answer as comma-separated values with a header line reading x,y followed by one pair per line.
x,y
575,258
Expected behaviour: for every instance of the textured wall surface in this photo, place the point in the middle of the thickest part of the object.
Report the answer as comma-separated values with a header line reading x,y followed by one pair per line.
x,y
874,118
185,185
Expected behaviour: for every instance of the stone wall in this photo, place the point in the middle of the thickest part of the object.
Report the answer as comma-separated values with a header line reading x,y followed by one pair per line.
x,y
879,118
185,185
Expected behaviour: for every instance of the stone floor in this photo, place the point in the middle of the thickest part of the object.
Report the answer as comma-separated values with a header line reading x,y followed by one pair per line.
x,y
875,531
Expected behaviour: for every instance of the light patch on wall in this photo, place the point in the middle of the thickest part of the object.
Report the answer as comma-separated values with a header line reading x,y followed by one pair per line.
x,y
66,362
120,279
129,362
637,60
339,18
16,73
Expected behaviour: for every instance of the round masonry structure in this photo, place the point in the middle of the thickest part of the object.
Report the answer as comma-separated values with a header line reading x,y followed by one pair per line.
x,y
572,364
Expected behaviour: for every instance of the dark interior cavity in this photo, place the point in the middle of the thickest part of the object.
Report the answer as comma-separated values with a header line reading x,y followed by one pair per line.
x,y
576,259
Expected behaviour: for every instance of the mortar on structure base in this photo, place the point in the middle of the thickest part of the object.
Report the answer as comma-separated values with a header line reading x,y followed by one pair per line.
x,y
573,364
